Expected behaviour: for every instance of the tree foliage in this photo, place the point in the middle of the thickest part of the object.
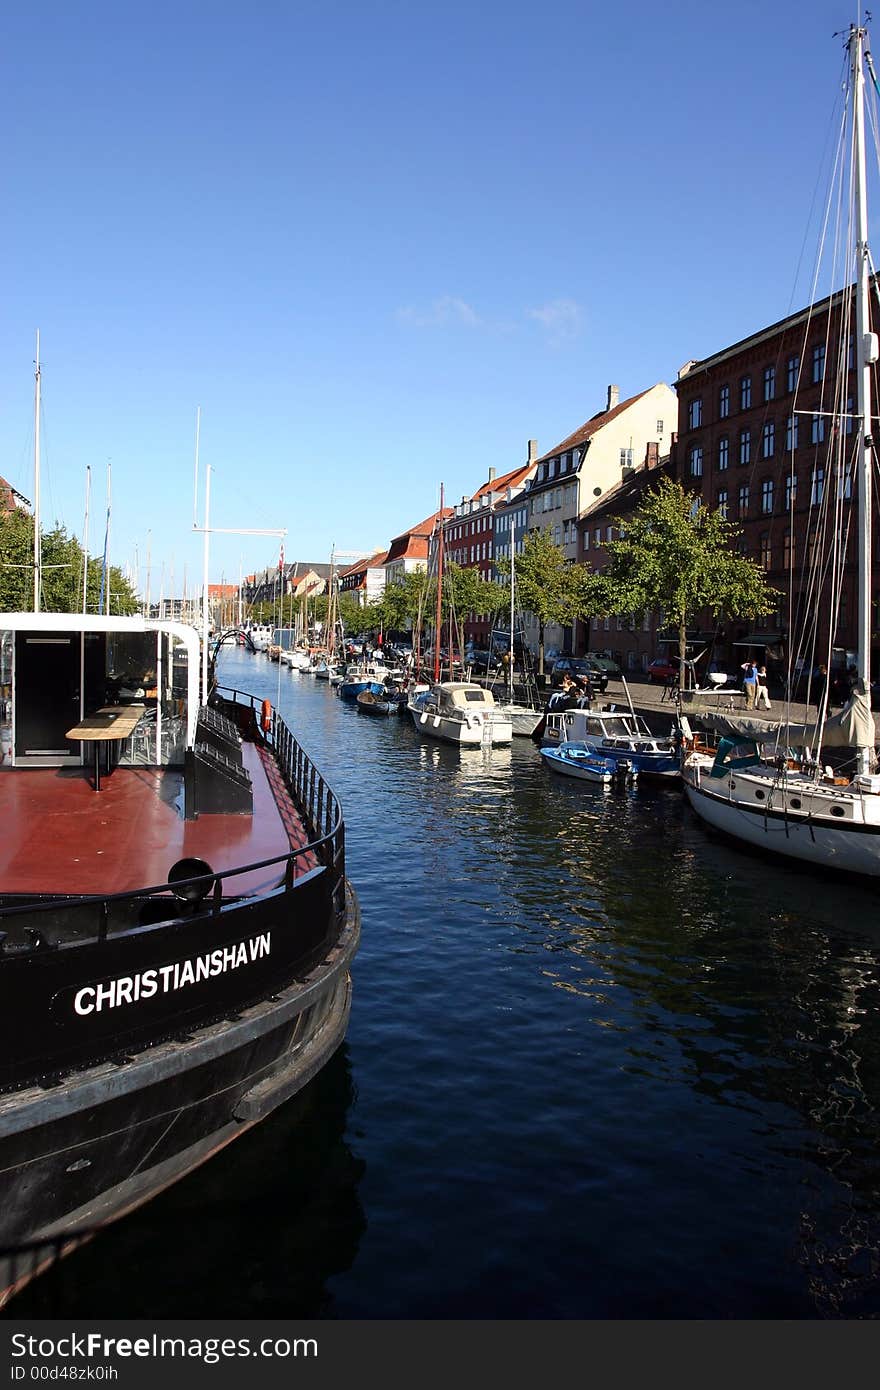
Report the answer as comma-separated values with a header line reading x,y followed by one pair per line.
x,y
675,554
62,572
549,586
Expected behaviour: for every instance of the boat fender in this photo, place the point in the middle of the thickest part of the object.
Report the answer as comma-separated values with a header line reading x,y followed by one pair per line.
x,y
266,716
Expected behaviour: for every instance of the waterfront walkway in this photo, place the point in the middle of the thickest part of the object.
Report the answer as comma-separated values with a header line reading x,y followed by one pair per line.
x,y
651,699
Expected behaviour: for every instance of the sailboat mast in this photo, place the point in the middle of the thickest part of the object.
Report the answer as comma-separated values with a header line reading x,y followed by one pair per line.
x,y
866,356
439,589
38,557
510,652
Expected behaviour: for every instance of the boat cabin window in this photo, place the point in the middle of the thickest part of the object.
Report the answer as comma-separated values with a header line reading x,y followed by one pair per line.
x,y
50,681
475,697
160,737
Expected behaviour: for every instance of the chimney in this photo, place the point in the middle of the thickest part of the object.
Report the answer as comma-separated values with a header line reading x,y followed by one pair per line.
x,y
652,454
491,475
613,397
533,450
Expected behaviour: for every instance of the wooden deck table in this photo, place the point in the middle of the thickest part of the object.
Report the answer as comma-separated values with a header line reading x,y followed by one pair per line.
x,y
107,725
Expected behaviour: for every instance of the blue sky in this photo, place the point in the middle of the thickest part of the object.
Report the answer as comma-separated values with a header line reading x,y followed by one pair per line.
x,y
381,245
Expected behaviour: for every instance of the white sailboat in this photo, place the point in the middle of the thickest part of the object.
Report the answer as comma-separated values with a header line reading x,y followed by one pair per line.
x,y
755,788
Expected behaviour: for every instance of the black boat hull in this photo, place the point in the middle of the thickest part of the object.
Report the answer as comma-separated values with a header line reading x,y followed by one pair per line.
x,y
105,1139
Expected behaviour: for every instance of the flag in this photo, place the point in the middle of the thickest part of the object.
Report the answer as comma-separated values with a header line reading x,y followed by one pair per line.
x,y
281,561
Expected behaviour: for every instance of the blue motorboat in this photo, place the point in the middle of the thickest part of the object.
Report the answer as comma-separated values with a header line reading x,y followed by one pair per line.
x,y
621,735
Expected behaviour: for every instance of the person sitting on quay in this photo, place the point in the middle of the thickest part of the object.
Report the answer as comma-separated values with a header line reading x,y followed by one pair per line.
x,y
583,691
563,698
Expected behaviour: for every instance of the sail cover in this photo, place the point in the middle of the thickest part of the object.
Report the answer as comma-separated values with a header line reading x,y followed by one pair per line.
x,y
852,727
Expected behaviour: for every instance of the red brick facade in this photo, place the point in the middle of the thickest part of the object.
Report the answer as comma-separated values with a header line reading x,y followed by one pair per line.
x,y
747,442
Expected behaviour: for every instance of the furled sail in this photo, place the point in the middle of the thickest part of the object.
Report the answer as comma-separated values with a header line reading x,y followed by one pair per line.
x,y
852,727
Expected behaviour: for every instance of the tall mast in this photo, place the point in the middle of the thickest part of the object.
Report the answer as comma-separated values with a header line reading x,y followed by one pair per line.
x,y
510,653
85,573
866,356
439,588
38,559
205,549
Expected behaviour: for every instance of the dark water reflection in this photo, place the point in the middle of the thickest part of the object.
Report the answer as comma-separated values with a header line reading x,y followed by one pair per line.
x,y
599,1065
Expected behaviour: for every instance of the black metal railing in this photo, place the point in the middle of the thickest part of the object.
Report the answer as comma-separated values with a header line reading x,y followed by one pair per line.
x,y
44,921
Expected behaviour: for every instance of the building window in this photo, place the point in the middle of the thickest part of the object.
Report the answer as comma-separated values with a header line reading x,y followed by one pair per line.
x,y
659,427
769,383
765,552
849,415
817,491
817,429
818,361
745,446
626,458
695,414
768,439
811,548
792,368
609,533
745,392
723,452
790,491
597,536
791,433
724,403
744,499
847,481
696,462
788,551
722,502
767,496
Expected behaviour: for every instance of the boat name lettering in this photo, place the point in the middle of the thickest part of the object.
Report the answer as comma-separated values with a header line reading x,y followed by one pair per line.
x,y
162,979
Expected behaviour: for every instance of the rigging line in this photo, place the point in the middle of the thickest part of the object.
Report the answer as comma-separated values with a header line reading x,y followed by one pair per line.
x,y
821,181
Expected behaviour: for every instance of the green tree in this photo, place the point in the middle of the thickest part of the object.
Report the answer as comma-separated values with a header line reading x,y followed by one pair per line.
x,y
466,591
61,558
548,585
675,554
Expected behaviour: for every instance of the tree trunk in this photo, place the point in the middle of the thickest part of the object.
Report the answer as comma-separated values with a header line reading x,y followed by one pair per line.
x,y
682,654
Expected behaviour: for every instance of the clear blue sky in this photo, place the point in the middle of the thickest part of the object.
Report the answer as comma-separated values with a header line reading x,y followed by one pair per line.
x,y
381,245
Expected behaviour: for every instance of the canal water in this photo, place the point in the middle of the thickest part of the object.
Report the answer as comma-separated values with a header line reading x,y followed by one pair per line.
x,y
599,1065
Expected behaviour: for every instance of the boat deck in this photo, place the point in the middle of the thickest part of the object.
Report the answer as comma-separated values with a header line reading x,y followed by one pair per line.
x,y
60,836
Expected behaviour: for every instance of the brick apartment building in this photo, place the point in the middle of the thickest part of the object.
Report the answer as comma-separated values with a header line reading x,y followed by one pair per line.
x,y
757,422
469,533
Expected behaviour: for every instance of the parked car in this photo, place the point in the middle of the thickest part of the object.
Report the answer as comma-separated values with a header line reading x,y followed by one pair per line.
x,y
578,666
607,664
662,669
480,660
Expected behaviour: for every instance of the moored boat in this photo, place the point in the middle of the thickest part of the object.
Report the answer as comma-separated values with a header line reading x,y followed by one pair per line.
x,y
178,965
580,761
459,712
824,813
381,704
619,734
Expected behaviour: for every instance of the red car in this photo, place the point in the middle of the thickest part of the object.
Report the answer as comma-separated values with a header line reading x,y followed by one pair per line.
x,y
662,670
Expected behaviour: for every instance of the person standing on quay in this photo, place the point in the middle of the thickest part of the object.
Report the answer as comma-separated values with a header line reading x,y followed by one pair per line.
x,y
750,683
762,695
